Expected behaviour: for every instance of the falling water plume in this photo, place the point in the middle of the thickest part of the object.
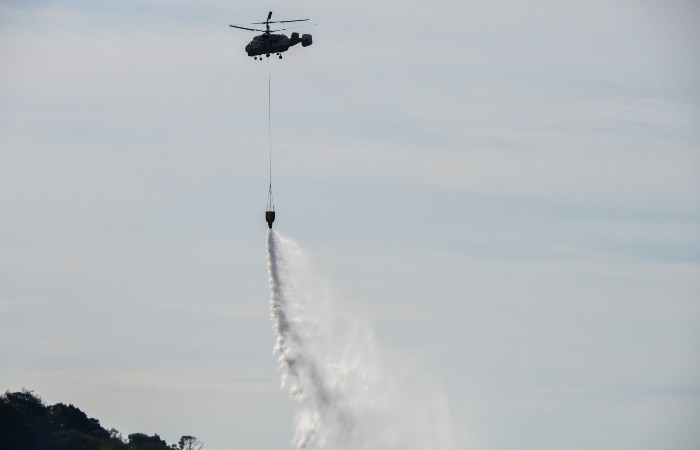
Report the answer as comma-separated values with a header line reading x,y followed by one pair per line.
x,y
351,394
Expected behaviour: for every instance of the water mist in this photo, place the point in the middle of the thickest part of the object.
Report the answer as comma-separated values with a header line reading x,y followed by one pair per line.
x,y
351,394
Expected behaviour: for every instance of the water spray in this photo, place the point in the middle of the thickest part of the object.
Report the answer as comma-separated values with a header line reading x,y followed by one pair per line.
x,y
351,394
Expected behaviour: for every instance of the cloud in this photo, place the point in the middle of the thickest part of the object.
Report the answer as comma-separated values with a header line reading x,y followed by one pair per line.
x,y
531,169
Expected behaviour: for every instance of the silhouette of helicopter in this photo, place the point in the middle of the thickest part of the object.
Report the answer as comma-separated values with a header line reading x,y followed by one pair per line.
x,y
267,43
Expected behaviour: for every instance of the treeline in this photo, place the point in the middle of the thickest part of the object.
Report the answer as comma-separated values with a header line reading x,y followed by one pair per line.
x,y
26,423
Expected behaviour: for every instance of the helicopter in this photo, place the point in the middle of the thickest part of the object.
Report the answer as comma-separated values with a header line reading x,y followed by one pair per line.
x,y
269,43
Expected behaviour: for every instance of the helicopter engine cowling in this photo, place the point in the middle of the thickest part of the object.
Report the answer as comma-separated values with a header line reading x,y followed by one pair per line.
x,y
306,40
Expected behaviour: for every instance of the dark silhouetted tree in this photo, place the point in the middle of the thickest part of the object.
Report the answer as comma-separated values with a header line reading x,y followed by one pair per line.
x,y
26,423
189,443
142,441
70,417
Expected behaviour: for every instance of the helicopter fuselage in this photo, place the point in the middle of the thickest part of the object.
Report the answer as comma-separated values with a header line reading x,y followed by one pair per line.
x,y
266,44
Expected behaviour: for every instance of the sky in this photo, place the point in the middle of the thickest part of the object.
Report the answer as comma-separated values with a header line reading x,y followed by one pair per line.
x,y
508,193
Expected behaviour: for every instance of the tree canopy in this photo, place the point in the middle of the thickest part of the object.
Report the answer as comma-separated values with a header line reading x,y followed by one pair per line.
x,y
26,423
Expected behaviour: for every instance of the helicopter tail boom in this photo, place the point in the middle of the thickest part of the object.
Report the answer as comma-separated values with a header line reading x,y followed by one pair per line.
x,y
305,39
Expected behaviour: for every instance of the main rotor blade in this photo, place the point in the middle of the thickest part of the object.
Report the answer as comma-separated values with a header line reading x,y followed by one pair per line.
x,y
292,28
244,28
280,21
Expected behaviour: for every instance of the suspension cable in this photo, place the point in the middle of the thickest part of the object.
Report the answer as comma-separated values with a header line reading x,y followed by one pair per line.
x,y
270,200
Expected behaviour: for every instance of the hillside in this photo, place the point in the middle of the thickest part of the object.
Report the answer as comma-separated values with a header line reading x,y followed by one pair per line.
x,y
27,423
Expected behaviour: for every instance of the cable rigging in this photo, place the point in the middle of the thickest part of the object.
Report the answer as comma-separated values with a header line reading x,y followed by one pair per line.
x,y
270,213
